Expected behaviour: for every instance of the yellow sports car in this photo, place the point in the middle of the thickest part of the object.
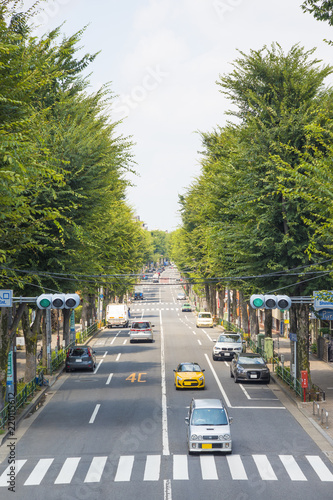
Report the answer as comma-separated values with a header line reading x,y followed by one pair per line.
x,y
189,376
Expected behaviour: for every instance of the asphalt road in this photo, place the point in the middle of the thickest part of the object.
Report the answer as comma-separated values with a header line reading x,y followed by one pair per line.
x,y
119,433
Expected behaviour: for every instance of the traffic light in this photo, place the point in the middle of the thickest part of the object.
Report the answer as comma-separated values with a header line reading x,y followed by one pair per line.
x,y
270,302
282,302
44,301
58,301
257,301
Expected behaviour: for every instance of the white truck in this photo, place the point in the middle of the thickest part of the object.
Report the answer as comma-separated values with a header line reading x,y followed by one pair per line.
x,y
117,315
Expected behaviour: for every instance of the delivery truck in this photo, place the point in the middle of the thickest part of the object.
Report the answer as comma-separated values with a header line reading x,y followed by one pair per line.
x,y
117,315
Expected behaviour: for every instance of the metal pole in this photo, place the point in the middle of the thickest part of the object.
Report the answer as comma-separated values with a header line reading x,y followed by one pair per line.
x,y
48,339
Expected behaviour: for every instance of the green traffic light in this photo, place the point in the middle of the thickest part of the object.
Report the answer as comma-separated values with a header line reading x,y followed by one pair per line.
x,y
258,302
45,303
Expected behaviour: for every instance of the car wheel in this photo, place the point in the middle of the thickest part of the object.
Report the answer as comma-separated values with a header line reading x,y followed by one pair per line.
x,y
131,341
235,379
268,381
67,370
231,374
214,358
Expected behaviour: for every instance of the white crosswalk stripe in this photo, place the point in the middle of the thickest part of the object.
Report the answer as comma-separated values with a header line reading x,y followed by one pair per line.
x,y
181,466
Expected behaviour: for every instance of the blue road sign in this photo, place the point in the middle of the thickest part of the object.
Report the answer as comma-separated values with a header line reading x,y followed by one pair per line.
x,y
293,337
6,298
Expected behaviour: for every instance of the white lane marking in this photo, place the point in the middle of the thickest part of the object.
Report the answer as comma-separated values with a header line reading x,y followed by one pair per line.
x,y
124,470
209,337
165,436
114,338
117,358
94,413
292,468
167,489
320,468
199,342
264,468
105,354
208,467
95,471
125,341
245,391
236,468
180,467
67,470
97,367
224,394
109,379
194,332
4,478
39,472
152,469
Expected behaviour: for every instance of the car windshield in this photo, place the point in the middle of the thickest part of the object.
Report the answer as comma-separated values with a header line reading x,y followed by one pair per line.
x,y
205,315
209,416
78,352
243,360
189,367
140,326
229,338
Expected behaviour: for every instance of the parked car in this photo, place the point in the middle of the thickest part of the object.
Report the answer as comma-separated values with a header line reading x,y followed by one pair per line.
x,y
208,427
249,367
205,319
141,330
181,296
227,344
186,307
80,357
189,376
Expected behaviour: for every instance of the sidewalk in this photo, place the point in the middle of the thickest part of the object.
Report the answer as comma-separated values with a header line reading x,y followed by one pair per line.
x,y
322,376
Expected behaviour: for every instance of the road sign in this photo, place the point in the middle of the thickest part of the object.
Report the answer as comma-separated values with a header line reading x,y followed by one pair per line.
x,y
6,298
293,337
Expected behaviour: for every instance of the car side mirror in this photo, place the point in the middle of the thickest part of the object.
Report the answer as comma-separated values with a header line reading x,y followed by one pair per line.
x,y
203,370
94,352
174,370
214,340
244,341
152,325
231,420
187,420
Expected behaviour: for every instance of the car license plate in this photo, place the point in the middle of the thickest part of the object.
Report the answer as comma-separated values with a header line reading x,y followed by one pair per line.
x,y
227,353
206,446
253,375
78,360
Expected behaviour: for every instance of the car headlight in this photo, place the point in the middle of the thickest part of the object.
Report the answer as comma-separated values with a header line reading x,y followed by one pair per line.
x,y
240,369
194,437
179,379
226,436
201,378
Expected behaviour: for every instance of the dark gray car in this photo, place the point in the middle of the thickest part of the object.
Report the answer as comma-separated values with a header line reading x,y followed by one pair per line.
x,y
249,367
80,357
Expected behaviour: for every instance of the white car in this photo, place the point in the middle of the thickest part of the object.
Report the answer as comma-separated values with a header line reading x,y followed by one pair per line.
x,y
208,427
227,345
181,296
205,319
141,330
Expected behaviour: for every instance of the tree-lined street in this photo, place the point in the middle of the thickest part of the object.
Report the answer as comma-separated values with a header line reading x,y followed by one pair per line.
x,y
115,432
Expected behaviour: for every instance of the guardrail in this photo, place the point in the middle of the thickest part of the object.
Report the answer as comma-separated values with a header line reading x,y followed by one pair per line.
x,y
20,399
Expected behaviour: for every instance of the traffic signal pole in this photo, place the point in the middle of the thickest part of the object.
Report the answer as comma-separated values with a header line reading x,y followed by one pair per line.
x,y
48,339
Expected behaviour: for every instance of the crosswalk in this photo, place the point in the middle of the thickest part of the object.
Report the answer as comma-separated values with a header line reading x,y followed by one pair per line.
x,y
181,468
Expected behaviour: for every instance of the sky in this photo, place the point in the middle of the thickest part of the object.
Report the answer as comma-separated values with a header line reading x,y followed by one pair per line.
x,y
163,59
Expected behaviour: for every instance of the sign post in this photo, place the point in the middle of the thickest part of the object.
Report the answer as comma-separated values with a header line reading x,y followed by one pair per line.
x,y
305,382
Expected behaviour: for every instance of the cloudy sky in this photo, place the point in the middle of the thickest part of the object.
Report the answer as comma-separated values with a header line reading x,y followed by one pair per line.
x,y
163,58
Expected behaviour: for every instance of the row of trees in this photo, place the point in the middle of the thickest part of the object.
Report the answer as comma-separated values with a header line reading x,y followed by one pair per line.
x,y
259,217
65,223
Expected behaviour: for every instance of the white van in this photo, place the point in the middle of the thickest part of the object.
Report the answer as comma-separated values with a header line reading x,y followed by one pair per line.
x,y
117,315
205,319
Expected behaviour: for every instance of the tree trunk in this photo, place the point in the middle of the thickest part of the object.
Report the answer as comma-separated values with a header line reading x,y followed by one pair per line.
x,y
30,336
234,307
4,350
213,300
66,325
244,313
254,323
268,323
221,293
302,315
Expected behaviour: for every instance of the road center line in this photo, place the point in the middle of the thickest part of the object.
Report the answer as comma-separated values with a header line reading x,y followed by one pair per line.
x,y
109,379
165,437
224,394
